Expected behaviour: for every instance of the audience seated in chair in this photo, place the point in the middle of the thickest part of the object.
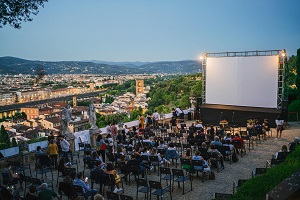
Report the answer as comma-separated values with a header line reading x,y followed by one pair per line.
x,y
13,177
205,166
31,194
171,152
46,194
5,193
85,186
283,149
216,141
212,149
111,170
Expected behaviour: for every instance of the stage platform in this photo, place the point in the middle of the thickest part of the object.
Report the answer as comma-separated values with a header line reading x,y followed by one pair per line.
x,y
213,114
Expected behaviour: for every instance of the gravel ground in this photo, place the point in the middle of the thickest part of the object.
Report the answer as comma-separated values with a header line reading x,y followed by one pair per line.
x,y
223,183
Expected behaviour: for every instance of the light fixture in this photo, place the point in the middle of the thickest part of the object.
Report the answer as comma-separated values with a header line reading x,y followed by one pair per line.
x,y
283,54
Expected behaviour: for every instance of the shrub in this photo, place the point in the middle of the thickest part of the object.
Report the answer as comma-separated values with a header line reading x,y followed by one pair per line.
x,y
3,146
14,142
37,140
256,188
294,107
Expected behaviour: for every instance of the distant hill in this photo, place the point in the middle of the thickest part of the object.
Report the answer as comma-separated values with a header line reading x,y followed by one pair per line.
x,y
171,67
126,64
12,65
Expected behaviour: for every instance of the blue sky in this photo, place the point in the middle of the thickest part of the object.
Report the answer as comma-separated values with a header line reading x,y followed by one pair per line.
x,y
153,30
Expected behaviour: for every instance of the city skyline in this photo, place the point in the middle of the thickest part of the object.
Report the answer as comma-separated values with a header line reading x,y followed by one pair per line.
x,y
150,31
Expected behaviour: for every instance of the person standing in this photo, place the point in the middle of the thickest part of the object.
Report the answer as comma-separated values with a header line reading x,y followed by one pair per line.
x,y
114,131
173,123
108,129
142,121
156,118
279,123
65,146
53,152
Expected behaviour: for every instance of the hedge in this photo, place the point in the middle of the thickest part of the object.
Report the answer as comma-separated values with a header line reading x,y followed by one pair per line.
x,y
36,140
256,188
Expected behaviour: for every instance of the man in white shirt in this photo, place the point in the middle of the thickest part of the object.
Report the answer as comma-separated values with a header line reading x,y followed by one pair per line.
x,y
156,118
65,146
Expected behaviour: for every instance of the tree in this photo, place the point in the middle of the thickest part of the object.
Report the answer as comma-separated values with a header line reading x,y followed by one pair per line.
x,y
4,138
14,12
14,142
134,114
298,72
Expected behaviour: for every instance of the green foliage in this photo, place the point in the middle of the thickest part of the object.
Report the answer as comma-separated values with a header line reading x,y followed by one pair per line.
x,y
37,140
256,188
109,99
14,143
3,146
294,107
16,12
104,120
135,113
83,103
174,92
163,109
58,86
21,115
110,85
297,63
4,137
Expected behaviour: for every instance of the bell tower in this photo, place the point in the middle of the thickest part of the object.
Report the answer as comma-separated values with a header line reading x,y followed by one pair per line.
x,y
139,86
74,101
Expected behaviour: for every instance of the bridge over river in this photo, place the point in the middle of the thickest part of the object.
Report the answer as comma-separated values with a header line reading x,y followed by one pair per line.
x,y
10,109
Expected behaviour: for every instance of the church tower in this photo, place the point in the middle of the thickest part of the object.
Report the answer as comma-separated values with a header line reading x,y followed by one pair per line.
x,y
139,86
74,101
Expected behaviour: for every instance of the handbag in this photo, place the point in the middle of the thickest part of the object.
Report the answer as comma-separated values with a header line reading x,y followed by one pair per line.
x,y
103,146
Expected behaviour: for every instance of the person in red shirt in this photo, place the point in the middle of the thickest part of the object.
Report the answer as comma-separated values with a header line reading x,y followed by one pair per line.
x,y
238,142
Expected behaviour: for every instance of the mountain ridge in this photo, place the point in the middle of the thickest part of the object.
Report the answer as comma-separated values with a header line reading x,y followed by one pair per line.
x,y
14,65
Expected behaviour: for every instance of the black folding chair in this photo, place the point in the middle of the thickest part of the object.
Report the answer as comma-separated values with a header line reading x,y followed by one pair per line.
x,y
165,174
142,186
154,161
126,197
259,171
65,189
159,190
112,196
178,176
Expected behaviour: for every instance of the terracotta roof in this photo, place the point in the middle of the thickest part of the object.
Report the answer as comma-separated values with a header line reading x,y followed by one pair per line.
x,y
53,120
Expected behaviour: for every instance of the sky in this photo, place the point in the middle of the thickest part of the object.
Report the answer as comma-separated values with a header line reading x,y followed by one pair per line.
x,y
153,30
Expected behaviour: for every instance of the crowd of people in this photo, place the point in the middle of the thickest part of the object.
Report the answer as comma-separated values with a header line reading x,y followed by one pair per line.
x,y
133,148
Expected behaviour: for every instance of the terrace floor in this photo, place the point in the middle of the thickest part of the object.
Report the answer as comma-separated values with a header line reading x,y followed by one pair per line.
x,y
224,179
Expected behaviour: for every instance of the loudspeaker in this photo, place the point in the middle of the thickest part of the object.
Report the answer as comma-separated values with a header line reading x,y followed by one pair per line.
x,y
199,101
285,105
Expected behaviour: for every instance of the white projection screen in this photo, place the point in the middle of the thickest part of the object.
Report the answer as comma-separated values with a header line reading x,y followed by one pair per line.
x,y
242,81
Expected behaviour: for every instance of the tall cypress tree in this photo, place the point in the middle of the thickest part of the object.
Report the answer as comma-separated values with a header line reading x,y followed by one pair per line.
x,y
4,137
298,72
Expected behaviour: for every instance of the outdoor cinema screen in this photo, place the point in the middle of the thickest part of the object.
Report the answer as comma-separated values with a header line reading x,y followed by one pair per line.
x,y
242,81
